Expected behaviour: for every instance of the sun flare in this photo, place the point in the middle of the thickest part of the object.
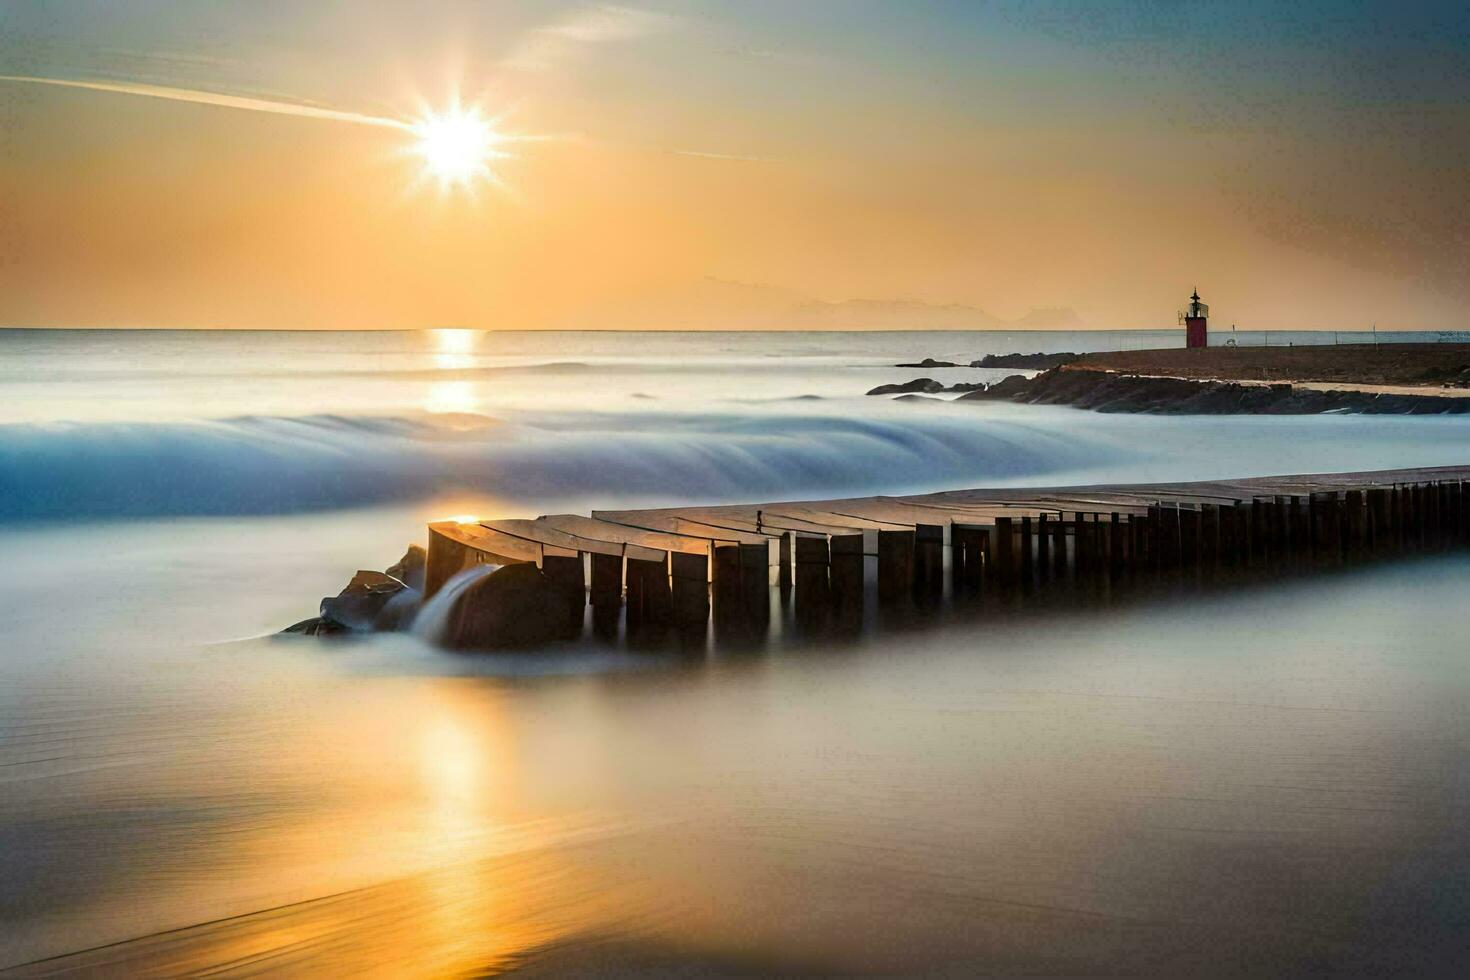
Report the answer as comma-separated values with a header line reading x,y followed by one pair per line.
x,y
457,145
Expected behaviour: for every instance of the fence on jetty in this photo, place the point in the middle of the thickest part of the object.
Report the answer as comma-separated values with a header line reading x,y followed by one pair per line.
x,y
684,566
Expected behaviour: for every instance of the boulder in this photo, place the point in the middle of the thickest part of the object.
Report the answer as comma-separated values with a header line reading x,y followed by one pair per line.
x,y
924,385
399,611
410,568
1001,390
316,626
513,606
358,606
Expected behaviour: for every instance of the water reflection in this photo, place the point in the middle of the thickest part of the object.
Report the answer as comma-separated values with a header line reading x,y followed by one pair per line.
x,y
1249,781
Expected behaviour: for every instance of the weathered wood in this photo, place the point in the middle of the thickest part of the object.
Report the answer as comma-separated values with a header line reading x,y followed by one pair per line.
x,y
607,580
846,571
967,558
929,559
1024,545
895,565
1003,551
675,563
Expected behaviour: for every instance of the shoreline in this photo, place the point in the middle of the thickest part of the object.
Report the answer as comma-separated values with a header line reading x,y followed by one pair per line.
x,y
1376,379
1112,392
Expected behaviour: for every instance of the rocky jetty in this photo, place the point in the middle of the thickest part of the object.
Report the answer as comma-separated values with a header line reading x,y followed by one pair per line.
x,y
488,608
372,601
1033,362
1101,391
927,386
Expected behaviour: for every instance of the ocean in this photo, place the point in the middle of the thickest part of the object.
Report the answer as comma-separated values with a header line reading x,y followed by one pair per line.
x,y
1272,779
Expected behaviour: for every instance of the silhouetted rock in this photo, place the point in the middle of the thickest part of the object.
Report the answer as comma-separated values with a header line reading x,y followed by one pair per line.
x,y
926,385
410,568
514,606
1003,390
357,607
967,386
930,362
316,626
1039,362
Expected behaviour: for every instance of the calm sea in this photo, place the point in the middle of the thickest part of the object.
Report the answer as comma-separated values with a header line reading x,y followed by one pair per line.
x,y
1268,780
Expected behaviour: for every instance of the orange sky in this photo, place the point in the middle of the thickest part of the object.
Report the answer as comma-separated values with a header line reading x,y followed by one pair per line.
x,y
824,153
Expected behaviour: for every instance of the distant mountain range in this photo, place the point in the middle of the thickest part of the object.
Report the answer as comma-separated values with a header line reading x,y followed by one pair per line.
x,y
724,304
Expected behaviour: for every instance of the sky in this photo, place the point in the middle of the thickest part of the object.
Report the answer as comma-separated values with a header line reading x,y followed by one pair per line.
x,y
737,165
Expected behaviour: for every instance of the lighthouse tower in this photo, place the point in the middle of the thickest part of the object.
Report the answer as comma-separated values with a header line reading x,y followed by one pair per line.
x,y
1194,318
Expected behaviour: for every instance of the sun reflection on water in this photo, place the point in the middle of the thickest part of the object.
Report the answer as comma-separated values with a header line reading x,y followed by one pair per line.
x,y
453,347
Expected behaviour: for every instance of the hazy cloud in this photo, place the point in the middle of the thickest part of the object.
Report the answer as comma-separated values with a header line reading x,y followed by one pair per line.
x,y
546,47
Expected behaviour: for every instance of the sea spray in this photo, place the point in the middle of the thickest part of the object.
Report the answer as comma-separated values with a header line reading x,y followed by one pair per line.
x,y
433,618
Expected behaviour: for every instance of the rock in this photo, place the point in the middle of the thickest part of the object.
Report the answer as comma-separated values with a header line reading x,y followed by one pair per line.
x,y
911,397
358,606
925,385
410,568
1103,391
1039,362
1014,385
316,626
398,613
514,606
967,386
930,362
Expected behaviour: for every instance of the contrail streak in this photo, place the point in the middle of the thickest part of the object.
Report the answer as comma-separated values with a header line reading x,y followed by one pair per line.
x,y
214,98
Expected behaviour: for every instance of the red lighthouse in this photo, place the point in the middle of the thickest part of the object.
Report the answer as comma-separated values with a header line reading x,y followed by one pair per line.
x,y
1194,318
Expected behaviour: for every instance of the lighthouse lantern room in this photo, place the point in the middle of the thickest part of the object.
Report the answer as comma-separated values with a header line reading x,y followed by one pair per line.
x,y
1195,319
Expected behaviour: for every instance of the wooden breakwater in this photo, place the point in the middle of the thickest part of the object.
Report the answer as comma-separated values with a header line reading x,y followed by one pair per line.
x,y
684,566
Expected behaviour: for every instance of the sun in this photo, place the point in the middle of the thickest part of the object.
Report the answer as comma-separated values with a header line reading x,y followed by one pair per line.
x,y
457,145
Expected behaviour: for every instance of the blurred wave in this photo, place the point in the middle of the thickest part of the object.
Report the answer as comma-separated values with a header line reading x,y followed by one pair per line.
x,y
273,464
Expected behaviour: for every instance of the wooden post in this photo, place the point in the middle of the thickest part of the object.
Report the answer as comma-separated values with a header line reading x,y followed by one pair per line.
x,y
967,559
928,559
1209,552
812,557
1043,546
1377,518
1335,533
689,573
1300,532
1024,546
1151,537
1002,570
1115,544
846,571
895,565
755,583
1401,535
650,600
1462,511
1357,522
607,580
1189,535
568,577
1059,547
785,577
1437,512
725,583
